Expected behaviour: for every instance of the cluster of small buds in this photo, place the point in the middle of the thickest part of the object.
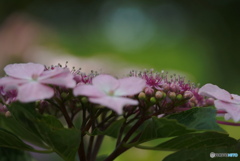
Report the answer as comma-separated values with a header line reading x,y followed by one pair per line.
x,y
83,78
170,93
79,76
6,97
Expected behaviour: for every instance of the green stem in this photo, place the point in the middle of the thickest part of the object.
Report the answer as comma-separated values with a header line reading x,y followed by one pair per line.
x,y
97,146
81,149
90,146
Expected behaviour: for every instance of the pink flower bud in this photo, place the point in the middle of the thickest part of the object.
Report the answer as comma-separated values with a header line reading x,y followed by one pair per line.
x,y
142,96
172,95
149,91
160,95
165,87
187,95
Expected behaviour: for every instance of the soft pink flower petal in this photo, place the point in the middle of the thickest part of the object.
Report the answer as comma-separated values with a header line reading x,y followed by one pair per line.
x,y
227,116
236,98
114,103
9,81
61,78
88,90
105,83
231,108
130,86
214,91
34,91
24,71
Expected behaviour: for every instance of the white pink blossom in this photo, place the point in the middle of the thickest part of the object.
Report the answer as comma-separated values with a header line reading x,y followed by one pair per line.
x,y
110,92
223,100
31,80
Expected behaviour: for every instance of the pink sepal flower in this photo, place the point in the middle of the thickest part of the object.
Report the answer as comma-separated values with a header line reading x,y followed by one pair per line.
x,y
223,100
30,80
109,91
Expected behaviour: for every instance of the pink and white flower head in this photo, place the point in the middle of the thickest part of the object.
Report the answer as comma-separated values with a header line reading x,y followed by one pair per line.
x,y
223,100
31,80
109,91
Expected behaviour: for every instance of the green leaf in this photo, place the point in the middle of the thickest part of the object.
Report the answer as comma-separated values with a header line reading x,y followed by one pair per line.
x,y
63,141
101,157
199,118
201,154
8,154
161,128
14,126
8,139
194,140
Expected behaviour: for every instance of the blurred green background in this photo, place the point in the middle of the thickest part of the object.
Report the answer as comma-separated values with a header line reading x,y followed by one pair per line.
x,y
200,39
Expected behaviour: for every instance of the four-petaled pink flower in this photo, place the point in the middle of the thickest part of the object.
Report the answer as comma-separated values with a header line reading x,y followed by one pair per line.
x,y
109,91
224,100
30,80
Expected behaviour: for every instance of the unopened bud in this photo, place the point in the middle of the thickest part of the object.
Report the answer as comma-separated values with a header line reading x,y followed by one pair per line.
x,y
165,87
84,100
142,96
187,95
193,100
149,91
173,87
192,104
179,97
153,100
64,95
8,114
172,95
209,101
159,95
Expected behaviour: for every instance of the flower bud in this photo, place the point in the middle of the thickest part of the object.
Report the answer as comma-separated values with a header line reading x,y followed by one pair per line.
x,y
64,95
165,87
84,100
149,91
8,114
142,96
172,95
209,101
179,97
187,95
193,100
153,100
160,95
173,87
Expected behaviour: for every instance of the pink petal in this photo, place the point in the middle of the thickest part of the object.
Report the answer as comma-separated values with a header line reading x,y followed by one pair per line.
x,y
214,91
53,72
9,81
231,108
105,83
114,103
130,86
34,91
24,71
227,116
60,77
88,90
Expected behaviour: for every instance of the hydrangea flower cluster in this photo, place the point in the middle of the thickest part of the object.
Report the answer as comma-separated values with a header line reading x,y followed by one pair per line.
x,y
162,93
170,93
123,108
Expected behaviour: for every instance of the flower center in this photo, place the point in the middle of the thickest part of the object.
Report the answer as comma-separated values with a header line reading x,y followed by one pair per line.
x,y
111,93
34,77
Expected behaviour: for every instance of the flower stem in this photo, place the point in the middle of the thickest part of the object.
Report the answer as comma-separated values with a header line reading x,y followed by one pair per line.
x,y
97,146
228,123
